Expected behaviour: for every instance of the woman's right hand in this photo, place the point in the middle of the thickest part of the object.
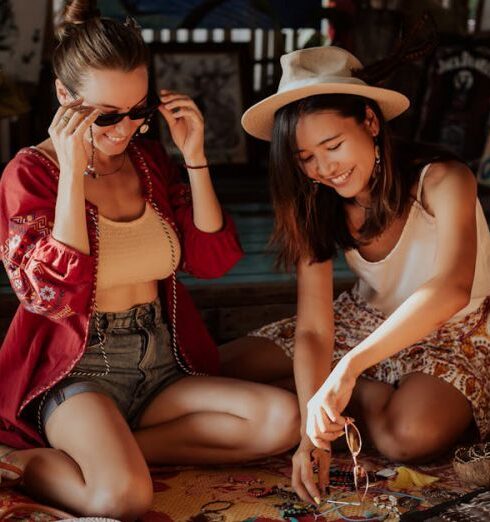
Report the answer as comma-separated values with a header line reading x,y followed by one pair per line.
x,y
67,131
302,478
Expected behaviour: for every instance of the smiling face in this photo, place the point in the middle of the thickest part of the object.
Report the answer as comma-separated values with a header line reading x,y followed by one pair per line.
x,y
112,91
337,151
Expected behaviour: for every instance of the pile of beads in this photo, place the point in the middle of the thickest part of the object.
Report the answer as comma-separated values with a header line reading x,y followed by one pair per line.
x,y
388,503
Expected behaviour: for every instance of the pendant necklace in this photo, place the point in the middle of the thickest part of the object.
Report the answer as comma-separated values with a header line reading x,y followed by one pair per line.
x,y
361,205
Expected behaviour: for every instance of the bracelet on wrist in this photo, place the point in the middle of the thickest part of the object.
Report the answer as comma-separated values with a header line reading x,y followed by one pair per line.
x,y
205,166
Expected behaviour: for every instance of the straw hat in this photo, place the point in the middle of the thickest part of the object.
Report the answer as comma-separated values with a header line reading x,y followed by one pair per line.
x,y
318,70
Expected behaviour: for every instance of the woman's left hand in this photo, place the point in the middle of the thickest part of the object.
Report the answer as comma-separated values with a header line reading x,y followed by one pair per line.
x,y
186,124
325,421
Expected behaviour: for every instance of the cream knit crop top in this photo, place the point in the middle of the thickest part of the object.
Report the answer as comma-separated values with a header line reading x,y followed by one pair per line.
x,y
137,251
387,283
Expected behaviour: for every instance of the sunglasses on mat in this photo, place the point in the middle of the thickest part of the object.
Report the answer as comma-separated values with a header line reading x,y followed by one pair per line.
x,y
137,113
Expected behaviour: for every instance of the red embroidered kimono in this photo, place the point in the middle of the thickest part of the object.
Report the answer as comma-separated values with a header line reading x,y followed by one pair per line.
x,y
56,284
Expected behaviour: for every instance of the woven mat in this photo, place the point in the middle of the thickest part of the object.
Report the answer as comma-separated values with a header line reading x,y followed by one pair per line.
x,y
180,492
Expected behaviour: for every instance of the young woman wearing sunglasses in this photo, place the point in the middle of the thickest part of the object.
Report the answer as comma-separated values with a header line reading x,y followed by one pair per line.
x,y
107,366
408,349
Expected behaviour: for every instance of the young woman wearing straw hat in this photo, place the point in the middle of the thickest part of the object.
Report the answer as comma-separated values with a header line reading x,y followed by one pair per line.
x,y
407,349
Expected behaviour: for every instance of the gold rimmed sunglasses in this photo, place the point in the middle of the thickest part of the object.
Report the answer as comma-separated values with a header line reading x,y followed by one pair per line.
x,y
354,443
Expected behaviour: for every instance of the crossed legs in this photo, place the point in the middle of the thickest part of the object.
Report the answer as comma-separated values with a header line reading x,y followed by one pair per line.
x,y
97,466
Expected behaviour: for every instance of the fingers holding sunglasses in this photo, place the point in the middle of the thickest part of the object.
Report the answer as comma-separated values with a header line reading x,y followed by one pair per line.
x,y
321,439
76,118
62,110
332,412
181,112
329,426
177,105
187,131
86,119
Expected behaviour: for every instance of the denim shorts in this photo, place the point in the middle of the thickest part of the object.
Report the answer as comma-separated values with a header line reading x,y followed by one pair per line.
x,y
138,363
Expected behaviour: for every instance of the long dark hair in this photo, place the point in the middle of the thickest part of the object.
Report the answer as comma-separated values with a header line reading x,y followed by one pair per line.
x,y
88,41
310,219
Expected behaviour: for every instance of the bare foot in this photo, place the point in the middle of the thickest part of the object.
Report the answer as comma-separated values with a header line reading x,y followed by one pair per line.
x,y
10,473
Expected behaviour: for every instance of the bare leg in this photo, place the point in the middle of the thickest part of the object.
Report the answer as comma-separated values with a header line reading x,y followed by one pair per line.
x,y
95,466
424,417
205,420
257,359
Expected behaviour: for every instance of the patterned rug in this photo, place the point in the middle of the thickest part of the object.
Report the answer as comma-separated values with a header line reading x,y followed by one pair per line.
x,y
259,492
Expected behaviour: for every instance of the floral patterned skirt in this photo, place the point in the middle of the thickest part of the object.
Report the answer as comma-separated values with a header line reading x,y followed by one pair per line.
x,y
458,352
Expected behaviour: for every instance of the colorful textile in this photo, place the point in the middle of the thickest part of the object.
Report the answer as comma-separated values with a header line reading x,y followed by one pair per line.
x,y
56,284
180,492
458,352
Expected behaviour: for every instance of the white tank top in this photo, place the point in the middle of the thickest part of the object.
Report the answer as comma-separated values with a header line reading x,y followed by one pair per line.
x,y
136,251
387,283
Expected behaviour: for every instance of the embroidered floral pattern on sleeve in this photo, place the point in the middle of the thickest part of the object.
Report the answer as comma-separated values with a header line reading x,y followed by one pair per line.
x,y
33,286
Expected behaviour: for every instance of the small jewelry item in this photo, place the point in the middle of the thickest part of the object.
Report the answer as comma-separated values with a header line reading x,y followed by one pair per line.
x,y
90,169
408,503
261,491
144,128
205,166
377,152
212,511
361,205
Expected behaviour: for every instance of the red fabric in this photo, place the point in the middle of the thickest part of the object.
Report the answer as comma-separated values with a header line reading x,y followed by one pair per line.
x,y
56,284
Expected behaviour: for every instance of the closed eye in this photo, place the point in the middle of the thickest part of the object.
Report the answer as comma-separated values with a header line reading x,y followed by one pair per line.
x,y
306,160
335,147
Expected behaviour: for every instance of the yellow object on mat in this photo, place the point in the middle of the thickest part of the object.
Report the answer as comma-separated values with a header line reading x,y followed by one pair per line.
x,y
409,478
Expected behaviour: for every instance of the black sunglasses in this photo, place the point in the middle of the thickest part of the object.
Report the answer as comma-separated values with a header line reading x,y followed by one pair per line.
x,y
137,113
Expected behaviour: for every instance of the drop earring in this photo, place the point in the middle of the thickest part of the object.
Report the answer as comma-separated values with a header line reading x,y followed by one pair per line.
x,y
377,152
144,128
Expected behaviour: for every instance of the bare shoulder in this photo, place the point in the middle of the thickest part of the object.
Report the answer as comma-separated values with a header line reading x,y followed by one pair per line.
x,y
445,181
448,173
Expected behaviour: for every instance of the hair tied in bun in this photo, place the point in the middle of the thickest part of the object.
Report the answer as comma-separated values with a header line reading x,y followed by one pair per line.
x,y
132,23
80,11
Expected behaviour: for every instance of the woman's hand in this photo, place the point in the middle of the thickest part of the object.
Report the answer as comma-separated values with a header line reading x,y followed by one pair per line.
x,y
67,131
302,477
186,124
324,421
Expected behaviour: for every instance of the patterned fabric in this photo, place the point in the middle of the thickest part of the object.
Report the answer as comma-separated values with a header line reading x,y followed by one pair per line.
x,y
458,352
180,492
